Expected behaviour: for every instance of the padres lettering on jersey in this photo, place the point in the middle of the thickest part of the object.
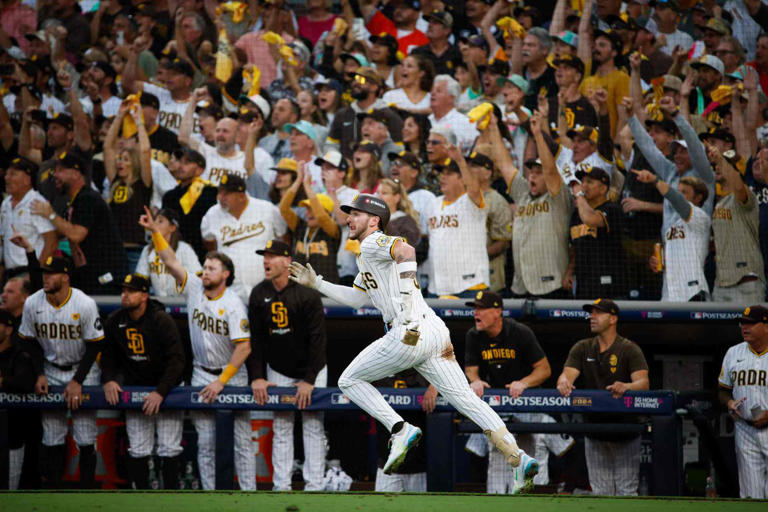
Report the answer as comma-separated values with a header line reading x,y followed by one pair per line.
x,y
210,324
320,247
583,230
232,235
745,372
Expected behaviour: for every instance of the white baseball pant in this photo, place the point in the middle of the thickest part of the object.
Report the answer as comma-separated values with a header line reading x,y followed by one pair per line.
x,y
432,357
313,428
396,482
55,423
752,460
205,425
15,463
141,433
614,466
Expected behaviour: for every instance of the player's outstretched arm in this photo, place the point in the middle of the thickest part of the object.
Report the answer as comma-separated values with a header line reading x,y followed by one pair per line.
x,y
306,276
172,263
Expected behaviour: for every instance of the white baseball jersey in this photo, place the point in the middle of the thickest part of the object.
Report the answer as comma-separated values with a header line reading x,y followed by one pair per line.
x,y
162,182
61,331
214,324
422,200
240,238
151,266
686,244
262,164
20,218
567,167
171,111
457,236
459,124
746,373
345,260
217,166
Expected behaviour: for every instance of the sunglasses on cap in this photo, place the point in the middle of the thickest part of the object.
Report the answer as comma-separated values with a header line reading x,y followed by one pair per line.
x,y
361,79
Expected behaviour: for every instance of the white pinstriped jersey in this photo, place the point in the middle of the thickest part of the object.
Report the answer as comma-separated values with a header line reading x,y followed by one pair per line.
x,y
62,331
379,278
745,372
567,167
686,244
217,166
151,266
240,238
457,250
20,218
214,324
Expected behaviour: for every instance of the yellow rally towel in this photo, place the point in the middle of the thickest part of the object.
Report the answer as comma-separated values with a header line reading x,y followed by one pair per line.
x,y
511,27
287,53
340,26
481,115
192,194
253,77
129,125
272,38
236,9
722,94
352,246
223,60
658,88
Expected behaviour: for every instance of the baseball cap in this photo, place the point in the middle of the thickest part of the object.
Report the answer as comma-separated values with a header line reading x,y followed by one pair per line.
x,y
369,146
719,26
276,247
407,157
232,183
665,124
672,82
181,66
286,164
325,201
442,17
669,4
680,142
149,100
480,160
376,114
369,74
24,165
261,103
518,81
39,35
486,299
621,22
756,314
571,61
709,61
568,38
105,67
478,41
55,265
136,282
606,305
596,173
532,161
300,50
586,132
383,38
358,57
613,37
171,215
331,84
64,120
447,165
718,133
411,4
304,127
193,156
68,160
211,109
333,158
496,66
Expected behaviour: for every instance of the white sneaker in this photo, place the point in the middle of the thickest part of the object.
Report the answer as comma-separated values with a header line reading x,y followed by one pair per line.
x,y
524,473
399,444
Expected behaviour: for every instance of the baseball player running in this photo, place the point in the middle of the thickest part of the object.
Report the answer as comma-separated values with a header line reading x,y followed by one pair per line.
x,y
143,348
743,391
219,331
66,324
416,337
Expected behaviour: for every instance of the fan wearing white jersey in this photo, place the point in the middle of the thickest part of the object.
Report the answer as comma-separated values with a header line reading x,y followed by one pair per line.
x,y
686,240
416,337
239,226
744,392
152,267
65,323
223,159
220,336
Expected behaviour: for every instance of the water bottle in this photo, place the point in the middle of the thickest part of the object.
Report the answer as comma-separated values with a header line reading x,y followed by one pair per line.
x,y
625,194
710,491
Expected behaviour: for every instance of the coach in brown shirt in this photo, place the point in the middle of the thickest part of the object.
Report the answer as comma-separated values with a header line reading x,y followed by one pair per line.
x,y
608,361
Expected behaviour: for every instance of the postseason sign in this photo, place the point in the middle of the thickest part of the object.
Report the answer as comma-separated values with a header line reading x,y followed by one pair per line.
x,y
332,399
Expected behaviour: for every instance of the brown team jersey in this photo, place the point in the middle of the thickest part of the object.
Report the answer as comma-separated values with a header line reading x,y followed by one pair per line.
x,y
601,369
735,225
499,227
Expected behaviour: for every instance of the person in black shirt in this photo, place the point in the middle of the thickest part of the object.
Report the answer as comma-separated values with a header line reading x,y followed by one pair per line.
x,y
538,72
17,375
143,348
503,353
443,55
288,348
569,104
191,199
94,240
596,227
162,140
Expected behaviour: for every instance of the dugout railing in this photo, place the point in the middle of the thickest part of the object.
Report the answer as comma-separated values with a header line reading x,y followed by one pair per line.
x,y
441,427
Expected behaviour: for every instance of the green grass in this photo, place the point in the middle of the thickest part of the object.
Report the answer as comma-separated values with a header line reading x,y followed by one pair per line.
x,y
310,502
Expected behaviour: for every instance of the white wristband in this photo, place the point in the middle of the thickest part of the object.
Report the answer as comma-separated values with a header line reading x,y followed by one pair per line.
x,y
406,266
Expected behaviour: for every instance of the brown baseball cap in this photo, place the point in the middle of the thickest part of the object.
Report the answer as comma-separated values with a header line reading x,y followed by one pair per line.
x,y
606,305
276,247
756,314
486,299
